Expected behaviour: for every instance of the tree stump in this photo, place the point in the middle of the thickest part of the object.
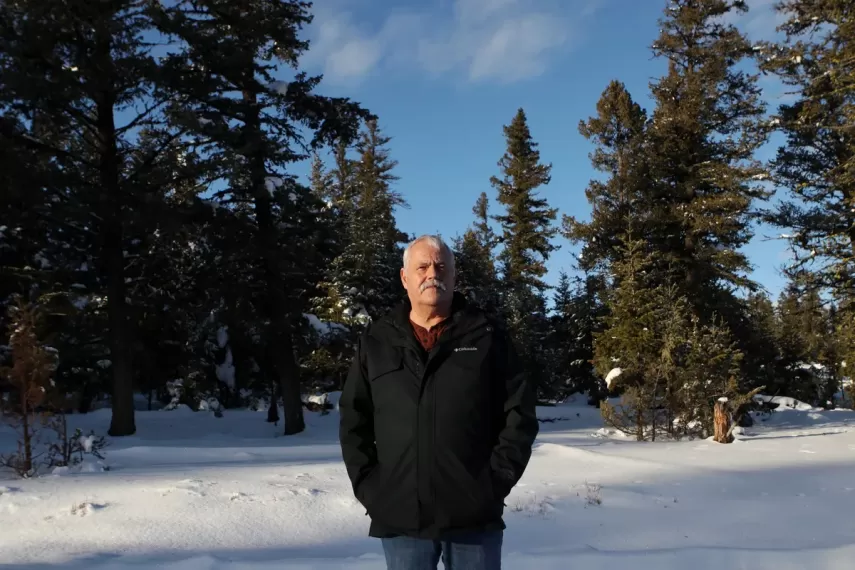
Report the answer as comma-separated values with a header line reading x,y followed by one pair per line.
x,y
721,418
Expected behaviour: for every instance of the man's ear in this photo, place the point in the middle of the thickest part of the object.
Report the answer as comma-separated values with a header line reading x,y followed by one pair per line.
x,y
403,278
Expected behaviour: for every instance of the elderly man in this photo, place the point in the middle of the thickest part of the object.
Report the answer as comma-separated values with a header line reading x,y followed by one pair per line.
x,y
437,422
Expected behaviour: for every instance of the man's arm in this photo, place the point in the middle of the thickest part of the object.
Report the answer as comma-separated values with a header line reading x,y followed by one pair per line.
x,y
518,425
356,427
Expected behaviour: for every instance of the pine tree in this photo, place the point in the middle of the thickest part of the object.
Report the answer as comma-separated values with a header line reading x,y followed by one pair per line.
x,y
702,138
577,311
763,358
224,73
618,131
476,276
527,227
321,181
627,352
362,282
344,194
75,67
817,163
668,367
809,356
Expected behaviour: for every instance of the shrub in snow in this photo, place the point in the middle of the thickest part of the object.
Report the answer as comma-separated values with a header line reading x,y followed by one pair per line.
x,y
593,497
67,451
30,380
38,408
213,405
175,388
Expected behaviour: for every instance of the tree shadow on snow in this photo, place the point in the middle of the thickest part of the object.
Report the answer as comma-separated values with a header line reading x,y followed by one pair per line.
x,y
333,554
636,515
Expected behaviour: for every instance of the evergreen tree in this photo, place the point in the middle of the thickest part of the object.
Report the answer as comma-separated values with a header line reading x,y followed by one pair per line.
x,y
526,232
618,131
577,312
74,68
763,358
476,276
702,138
344,194
321,181
224,73
817,163
628,351
809,355
668,367
363,282
527,223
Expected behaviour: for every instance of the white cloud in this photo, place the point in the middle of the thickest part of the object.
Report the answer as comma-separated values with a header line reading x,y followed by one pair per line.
x,y
761,20
483,40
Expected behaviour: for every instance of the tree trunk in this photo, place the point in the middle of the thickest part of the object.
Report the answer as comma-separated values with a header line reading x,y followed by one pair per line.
x,y
112,256
273,408
278,333
722,423
122,422
26,435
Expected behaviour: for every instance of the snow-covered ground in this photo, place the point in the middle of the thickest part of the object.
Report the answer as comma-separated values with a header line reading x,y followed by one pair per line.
x,y
192,492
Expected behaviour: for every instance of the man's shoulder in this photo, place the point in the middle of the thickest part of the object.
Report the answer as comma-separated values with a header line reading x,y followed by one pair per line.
x,y
494,322
382,328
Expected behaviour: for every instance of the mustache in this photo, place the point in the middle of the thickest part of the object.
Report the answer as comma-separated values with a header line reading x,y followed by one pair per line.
x,y
432,283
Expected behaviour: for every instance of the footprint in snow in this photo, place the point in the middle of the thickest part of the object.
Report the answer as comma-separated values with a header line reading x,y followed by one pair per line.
x,y
86,508
189,486
9,490
241,497
306,492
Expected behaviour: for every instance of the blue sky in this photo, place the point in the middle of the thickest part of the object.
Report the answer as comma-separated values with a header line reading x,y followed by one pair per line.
x,y
444,76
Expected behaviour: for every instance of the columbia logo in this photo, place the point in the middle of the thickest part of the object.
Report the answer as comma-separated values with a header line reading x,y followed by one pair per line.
x,y
465,348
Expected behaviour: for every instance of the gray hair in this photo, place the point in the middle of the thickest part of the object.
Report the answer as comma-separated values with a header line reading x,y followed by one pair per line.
x,y
435,241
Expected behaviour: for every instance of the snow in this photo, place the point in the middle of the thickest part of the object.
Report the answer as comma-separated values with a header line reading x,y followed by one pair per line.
x,y
193,492
222,336
612,375
324,329
271,183
784,403
226,370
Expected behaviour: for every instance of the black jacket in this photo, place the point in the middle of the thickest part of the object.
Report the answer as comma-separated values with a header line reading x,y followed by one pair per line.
x,y
434,442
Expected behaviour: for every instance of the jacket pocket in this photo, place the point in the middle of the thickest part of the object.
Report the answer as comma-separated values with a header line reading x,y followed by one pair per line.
x,y
383,364
388,495
464,499
367,486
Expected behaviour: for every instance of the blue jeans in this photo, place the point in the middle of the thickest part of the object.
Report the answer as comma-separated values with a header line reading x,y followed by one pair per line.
x,y
477,551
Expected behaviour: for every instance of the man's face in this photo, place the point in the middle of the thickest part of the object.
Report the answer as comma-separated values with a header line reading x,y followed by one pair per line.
x,y
428,276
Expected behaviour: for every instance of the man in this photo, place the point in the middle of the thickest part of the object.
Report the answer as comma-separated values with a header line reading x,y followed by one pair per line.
x,y
437,422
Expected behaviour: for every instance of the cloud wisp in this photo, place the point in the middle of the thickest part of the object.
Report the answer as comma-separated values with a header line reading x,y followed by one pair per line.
x,y
498,41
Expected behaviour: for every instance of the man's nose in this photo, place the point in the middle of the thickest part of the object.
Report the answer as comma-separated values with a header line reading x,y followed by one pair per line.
x,y
431,271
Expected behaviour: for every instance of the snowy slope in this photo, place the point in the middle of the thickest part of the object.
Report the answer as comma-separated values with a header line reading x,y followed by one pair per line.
x,y
193,492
